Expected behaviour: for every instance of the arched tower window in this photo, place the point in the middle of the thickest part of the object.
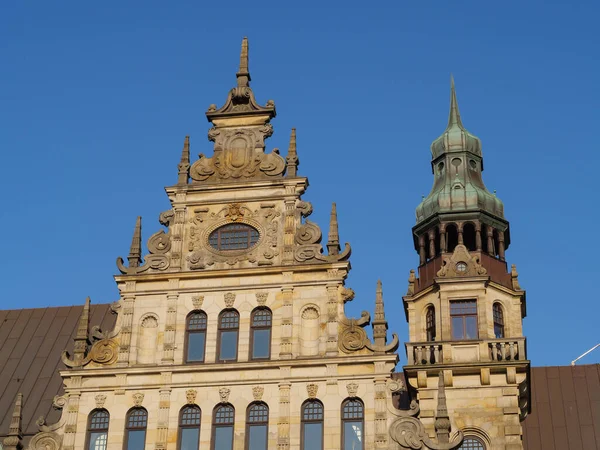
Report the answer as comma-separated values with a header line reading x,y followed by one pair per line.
x,y
229,326
353,424
472,443
97,430
498,320
135,429
223,421
469,238
451,237
312,425
430,323
189,428
257,426
260,333
195,336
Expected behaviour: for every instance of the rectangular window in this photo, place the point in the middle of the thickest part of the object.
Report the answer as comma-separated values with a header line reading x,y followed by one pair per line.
x,y
196,345
228,350
257,437
98,440
313,436
136,440
463,315
261,340
223,438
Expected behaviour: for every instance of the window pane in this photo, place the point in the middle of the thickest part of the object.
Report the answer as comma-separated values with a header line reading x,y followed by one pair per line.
x,y
228,350
223,438
457,328
196,346
257,437
190,438
136,439
471,327
498,331
261,343
353,436
313,436
98,441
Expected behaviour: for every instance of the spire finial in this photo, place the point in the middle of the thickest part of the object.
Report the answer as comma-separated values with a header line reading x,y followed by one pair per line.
x,y
292,157
15,434
243,75
333,242
135,251
184,163
380,325
442,419
454,117
81,338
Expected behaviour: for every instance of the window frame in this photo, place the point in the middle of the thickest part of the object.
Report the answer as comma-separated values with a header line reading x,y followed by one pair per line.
x,y
464,322
475,439
344,420
305,421
194,331
250,424
220,330
89,430
254,328
181,426
218,231
497,306
430,328
215,425
128,428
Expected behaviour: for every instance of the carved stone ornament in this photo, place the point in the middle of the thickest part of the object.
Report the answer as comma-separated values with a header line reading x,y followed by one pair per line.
x,y
396,385
197,301
158,245
352,389
310,312
229,299
307,248
104,352
138,398
261,298
224,394
190,396
409,433
46,440
352,337
461,264
514,278
347,294
412,279
312,389
257,392
100,400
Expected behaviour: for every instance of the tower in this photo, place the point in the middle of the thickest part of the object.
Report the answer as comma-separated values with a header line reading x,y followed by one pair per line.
x,y
465,308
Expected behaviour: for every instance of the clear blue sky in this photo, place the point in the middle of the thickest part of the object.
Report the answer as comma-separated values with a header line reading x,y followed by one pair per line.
x,y
96,98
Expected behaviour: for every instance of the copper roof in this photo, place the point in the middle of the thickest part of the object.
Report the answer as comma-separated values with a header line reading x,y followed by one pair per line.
x,y
31,342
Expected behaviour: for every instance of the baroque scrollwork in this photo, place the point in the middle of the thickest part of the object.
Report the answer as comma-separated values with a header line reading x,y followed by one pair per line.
x,y
104,352
45,440
308,245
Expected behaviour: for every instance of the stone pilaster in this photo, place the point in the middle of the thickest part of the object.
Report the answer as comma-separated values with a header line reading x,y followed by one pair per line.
x,y
72,412
332,319
283,424
169,338
285,347
164,404
289,226
126,323
177,231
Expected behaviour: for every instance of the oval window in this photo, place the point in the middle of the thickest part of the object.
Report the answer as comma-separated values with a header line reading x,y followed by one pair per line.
x,y
233,236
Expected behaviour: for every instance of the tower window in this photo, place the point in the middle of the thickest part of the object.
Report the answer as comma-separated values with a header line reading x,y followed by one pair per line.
x,y
498,321
97,433
196,336
189,428
261,334
257,424
353,425
229,324
223,421
463,315
472,443
233,236
312,425
135,433
430,323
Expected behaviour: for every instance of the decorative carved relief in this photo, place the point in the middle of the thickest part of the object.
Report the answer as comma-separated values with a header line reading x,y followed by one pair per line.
x,y
352,389
310,312
100,400
305,208
149,322
197,301
257,392
105,352
229,299
224,394
46,440
461,264
190,396
308,246
396,385
261,298
347,294
352,337
138,398
312,389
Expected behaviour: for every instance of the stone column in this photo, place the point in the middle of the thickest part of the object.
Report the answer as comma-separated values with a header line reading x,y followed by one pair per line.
x,y
381,431
490,240
501,245
169,338
289,226
283,423
422,255
478,242
431,244
177,231
459,227
126,324
443,245
332,319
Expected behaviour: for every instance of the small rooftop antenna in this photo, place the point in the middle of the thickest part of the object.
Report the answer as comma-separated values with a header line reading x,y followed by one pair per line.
x,y
589,351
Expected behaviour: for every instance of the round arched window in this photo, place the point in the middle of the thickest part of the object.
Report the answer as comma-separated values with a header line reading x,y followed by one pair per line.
x,y
233,236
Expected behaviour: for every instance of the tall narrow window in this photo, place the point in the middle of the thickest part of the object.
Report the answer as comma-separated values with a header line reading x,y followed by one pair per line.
x,y
430,323
498,321
257,426
229,325
312,425
135,431
97,431
189,428
196,337
464,319
353,426
223,420
260,340
472,443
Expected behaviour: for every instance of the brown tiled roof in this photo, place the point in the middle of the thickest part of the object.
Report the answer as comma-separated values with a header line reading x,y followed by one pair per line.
x,y
565,410
31,343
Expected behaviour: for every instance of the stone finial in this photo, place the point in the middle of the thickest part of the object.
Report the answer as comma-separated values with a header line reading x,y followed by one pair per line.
x,y
442,419
380,325
15,435
333,242
81,337
224,394
411,282
184,163
514,277
135,251
312,389
257,392
292,161
190,396
243,75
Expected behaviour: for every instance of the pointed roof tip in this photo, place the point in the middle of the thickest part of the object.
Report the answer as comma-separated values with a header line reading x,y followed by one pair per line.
x,y
379,285
243,74
454,116
293,140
